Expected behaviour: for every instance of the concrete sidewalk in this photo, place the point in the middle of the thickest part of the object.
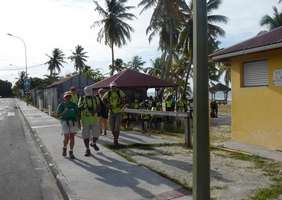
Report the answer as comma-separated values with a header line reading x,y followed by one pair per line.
x,y
254,150
105,175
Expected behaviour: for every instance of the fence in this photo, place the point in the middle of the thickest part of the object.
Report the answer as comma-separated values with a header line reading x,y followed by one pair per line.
x,y
186,116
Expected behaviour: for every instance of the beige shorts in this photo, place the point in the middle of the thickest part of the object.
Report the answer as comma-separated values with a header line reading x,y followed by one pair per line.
x,y
92,130
69,127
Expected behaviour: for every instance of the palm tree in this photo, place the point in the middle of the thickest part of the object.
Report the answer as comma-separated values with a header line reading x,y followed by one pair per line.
x,y
156,68
185,43
55,62
118,66
272,21
165,21
94,74
79,58
136,63
114,31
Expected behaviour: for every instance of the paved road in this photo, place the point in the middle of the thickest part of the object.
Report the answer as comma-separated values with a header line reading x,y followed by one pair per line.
x,y
23,173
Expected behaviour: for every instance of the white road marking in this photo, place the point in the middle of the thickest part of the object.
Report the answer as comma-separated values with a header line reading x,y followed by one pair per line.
x,y
46,126
11,114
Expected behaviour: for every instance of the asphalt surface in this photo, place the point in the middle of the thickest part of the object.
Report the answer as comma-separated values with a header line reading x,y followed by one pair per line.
x,y
24,175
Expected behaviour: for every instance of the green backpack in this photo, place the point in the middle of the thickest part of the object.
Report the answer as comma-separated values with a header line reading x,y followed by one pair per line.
x,y
70,111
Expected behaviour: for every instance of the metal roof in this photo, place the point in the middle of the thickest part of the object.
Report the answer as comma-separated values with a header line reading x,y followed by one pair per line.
x,y
261,42
131,79
219,87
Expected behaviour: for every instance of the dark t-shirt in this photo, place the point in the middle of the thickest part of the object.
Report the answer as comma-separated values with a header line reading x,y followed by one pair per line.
x,y
104,110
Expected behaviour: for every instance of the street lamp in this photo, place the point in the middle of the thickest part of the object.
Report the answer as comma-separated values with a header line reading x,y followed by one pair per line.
x,y
17,37
26,82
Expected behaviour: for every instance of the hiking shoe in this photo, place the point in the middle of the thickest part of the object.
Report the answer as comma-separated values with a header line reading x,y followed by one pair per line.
x,y
116,143
71,155
64,152
87,153
94,145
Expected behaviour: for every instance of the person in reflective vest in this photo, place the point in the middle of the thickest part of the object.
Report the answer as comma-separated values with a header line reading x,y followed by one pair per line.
x,y
75,96
89,107
145,117
68,113
169,104
114,99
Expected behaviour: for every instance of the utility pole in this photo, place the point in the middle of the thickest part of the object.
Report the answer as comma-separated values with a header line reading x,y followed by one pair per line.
x,y
201,155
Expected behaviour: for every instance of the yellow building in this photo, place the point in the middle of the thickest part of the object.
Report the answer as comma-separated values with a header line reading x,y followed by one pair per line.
x,y
256,76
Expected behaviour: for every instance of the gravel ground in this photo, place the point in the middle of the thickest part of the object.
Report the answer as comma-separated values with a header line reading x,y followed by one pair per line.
x,y
231,178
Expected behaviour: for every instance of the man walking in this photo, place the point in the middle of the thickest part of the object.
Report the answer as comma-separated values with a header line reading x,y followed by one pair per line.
x,y
103,113
89,107
114,98
75,96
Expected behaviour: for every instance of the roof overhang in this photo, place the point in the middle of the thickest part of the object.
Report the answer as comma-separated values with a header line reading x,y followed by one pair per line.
x,y
247,51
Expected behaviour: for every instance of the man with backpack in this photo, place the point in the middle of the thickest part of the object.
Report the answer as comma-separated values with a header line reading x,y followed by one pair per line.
x,y
89,106
75,97
114,99
68,113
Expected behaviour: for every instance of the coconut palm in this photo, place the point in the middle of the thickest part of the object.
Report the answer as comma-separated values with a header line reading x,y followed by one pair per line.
x,y
136,63
114,30
94,74
272,21
55,62
79,58
185,43
118,66
156,68
165,21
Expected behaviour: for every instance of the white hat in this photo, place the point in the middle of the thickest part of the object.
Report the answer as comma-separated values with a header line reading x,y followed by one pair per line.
x,y
113,84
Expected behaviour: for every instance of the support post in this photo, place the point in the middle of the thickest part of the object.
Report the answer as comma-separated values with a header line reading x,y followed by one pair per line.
x,y
201,157
187,132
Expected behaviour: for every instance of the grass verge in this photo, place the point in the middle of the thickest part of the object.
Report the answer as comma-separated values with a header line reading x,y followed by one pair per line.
x,y
270,168
129,158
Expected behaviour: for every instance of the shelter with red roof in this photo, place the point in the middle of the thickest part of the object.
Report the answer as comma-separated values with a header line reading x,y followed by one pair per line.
x,y
132,82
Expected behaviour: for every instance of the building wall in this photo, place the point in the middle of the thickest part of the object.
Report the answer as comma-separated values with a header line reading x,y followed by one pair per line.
x,y
257,111
65,86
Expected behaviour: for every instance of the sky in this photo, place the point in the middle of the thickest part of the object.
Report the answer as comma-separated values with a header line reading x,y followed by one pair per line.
x,y
48,24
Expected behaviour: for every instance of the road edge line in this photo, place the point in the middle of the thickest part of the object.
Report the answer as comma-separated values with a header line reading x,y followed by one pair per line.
x,y
62,183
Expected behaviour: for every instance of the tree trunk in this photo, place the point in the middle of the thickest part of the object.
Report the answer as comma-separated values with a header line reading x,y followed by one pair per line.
x,y
170,51
187,78
113,58
79,81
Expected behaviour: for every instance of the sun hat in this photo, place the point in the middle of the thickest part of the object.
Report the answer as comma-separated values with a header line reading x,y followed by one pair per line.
x,y
113,85
68,93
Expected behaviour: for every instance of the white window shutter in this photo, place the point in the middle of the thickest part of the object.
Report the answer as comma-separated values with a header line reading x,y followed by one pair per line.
x,y
255,74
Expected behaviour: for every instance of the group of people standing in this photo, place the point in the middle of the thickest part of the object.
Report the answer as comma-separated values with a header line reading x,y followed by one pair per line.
x,y
90,113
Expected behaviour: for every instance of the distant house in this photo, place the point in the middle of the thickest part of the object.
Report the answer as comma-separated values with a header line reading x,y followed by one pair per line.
x,y
256,74
53,94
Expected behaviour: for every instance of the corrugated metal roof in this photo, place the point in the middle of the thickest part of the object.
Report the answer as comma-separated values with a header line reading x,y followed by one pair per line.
x,y
131,79
261,40
219,87
60,81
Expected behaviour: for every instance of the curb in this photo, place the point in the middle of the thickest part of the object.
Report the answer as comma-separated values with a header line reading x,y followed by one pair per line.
x,y
61,180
